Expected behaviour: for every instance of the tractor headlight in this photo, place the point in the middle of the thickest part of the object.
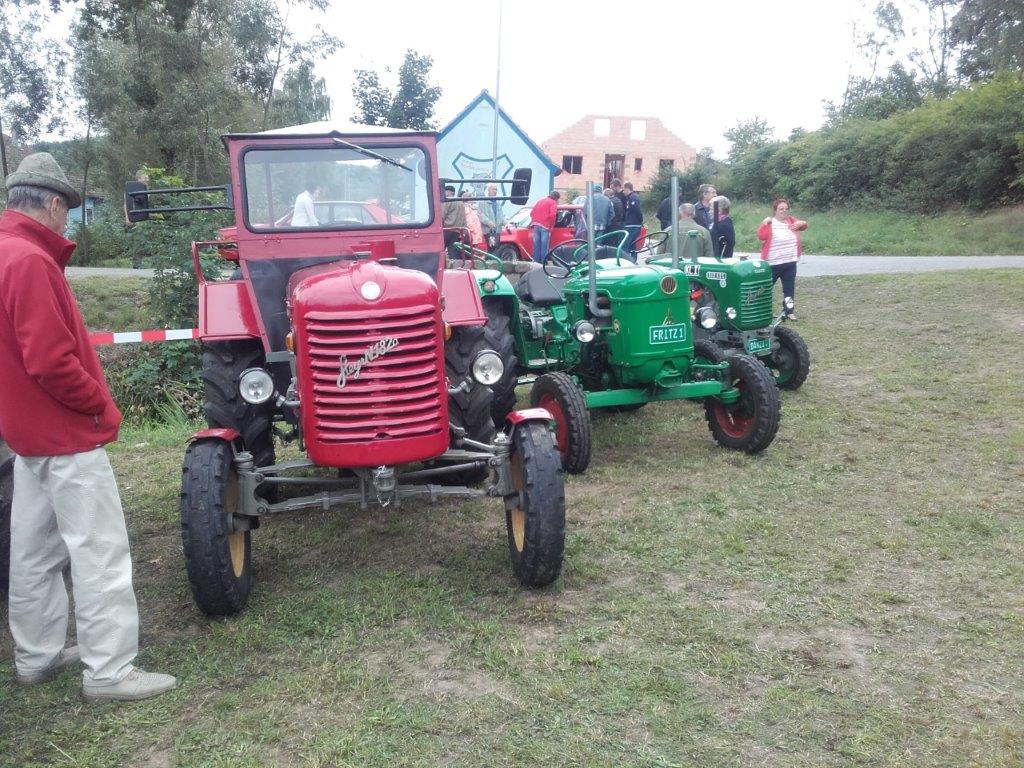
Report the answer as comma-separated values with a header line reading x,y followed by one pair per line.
x,y
488,368
370,290
255,386
584,331
731,313
707,318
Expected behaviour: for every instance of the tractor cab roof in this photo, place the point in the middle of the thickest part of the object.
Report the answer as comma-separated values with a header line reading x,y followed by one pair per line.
x,y
324,129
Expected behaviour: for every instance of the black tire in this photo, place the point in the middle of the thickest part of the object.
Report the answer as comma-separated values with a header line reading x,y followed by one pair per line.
x,y
6,496
559,394
708,350
469,410
507,252
223,406
498,335
218,562
749,424
791,362
536,522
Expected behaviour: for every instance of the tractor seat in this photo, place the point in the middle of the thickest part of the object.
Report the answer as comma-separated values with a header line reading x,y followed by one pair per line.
x,y
538,289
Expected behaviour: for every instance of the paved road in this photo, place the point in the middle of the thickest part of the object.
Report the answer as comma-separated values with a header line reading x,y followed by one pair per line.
x,y
810,265
818,266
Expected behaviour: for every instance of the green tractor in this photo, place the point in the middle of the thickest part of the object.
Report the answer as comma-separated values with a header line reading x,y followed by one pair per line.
x,y
604,333
731,304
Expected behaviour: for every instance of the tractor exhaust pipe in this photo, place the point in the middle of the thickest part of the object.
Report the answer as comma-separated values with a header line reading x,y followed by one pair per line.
x,y
675,221
595,310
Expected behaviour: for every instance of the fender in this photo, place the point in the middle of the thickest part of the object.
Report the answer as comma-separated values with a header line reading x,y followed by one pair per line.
x,y
226,312
461,299
529,414
218,433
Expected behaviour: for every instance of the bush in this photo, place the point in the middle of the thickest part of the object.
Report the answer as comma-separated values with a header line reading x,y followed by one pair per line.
x,y
964,150
104,241
147,379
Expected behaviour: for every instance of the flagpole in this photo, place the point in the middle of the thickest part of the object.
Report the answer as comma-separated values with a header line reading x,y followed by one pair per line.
x,y
497,99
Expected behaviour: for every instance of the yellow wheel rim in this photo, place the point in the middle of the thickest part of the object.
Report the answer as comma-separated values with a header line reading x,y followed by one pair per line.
x,y
236,540
517,515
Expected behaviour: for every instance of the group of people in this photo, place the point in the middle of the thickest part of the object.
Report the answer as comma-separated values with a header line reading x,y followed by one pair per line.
x,y
483,219
779,234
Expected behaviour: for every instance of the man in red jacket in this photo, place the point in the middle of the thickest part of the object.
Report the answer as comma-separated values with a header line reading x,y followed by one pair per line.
x,y
542,221
56,414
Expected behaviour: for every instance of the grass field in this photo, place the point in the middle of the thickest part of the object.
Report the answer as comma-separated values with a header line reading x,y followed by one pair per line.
x,y
852,597
886,231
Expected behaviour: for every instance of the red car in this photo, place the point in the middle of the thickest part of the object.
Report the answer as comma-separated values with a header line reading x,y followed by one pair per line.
x,y
516,239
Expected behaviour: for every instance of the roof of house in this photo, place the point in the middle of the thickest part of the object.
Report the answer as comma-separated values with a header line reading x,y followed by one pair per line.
x,y
485,97
619,119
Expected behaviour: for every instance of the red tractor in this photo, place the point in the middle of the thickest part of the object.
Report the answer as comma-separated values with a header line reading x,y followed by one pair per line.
x,y
348,336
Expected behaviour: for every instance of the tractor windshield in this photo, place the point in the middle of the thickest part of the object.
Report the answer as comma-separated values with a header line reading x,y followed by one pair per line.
x,y
335,188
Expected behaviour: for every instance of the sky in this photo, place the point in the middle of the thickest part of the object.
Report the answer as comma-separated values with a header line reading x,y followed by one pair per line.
x,y
700,72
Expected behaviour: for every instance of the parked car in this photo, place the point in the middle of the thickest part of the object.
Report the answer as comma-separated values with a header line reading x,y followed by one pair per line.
x,y
516,241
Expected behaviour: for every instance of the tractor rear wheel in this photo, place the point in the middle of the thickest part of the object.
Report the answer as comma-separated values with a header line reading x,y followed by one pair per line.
x,y
559,395
750,423
535,521
791,362
507,252
498,335
218,560
6,496
223,406
470,410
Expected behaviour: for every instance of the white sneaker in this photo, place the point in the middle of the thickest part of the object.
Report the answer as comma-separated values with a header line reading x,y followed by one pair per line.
x,y
65,659
135,686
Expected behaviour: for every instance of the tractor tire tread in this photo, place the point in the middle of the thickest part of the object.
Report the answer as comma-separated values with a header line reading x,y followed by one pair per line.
x,y
543,494
498,336
579,432
761,384
798,347
223,406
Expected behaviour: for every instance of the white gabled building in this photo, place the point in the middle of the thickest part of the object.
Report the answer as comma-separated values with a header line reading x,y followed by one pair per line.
x,y
465,150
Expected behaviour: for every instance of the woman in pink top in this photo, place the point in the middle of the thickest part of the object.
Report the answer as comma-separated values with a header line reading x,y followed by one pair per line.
x,y
780,233
473,223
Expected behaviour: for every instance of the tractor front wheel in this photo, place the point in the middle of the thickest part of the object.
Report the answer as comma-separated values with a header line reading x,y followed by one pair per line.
x,y
6,497
791,362
535,520
218,559
559,395
708,350
749,424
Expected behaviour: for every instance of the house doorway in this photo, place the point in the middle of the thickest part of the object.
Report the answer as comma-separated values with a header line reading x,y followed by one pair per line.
x,y
613,168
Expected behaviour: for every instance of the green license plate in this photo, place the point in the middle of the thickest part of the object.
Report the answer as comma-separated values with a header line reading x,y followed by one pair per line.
x,y
758,345
666,334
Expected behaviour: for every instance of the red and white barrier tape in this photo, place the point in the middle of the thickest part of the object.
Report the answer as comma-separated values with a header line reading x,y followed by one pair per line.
x,y
137,337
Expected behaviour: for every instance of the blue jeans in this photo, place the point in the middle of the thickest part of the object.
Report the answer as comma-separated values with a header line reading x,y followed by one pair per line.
x,y
541,238
787,274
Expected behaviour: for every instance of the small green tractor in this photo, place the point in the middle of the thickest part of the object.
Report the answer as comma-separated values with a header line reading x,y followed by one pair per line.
x,y
731,304
604,333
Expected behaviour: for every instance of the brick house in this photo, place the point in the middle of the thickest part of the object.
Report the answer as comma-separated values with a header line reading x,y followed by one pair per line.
x,y
598,149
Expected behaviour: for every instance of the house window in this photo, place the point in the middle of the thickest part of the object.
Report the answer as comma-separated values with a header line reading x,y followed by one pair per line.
x,y
638,164
663,164
572,163
602,126
638,130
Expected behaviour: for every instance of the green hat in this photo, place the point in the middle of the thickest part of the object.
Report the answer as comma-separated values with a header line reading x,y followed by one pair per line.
x,y
41,170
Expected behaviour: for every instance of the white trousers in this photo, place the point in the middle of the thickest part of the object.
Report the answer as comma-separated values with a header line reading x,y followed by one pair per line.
x,y
68,507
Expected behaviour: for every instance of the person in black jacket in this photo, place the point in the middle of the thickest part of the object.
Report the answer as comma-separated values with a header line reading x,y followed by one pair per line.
x,y
617,210
723,233
702,214
664,214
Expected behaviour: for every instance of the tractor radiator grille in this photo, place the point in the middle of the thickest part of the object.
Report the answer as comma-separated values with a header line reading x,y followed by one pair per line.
x,y
755,310
395,396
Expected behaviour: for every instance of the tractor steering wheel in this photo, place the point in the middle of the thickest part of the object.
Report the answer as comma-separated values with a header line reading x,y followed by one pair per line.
x,y
554,258
652,242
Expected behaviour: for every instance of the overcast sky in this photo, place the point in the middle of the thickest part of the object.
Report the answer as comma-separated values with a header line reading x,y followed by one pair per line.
x,y
699,71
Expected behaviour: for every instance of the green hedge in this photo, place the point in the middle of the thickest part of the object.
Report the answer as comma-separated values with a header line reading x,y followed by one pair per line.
x,y
965,150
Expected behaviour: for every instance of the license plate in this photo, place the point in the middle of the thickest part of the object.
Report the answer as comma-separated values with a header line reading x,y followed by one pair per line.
x,y
666,334
758,345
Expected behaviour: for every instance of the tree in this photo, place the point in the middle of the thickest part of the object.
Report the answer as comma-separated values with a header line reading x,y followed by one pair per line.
x,y
748,135
990,35
879,98
412,104
302,99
